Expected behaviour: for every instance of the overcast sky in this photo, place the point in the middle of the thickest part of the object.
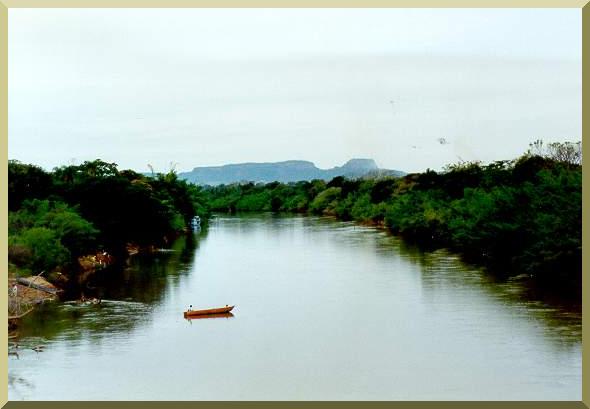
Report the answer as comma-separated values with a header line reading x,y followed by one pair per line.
x,y
212,86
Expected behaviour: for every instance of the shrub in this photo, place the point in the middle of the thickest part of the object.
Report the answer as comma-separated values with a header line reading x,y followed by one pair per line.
x,y
45,247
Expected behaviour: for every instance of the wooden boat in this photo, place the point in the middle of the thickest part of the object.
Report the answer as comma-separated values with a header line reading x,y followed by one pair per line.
x,y
222,310
208,316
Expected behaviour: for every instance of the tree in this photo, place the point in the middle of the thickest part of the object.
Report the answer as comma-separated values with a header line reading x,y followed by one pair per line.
x,y
567,152
74,232
45,247
326,200
26,182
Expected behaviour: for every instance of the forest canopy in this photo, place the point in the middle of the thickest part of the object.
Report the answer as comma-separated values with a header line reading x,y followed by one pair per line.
x,y
57,216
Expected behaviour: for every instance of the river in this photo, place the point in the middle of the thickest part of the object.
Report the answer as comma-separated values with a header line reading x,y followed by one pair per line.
x,y
325,310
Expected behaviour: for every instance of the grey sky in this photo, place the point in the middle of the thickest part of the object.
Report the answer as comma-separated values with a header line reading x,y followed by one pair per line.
x,y
212,86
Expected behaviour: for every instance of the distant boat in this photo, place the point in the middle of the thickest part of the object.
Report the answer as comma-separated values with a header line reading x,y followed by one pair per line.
x,y
193,313
196,223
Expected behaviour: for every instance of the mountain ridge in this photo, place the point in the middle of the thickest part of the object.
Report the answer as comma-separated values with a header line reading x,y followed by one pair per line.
x,y
283,171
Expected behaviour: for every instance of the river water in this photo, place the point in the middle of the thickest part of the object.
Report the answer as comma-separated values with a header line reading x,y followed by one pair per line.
x,y
325,310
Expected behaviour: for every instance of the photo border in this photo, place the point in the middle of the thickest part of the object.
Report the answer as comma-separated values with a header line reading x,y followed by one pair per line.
x,y
585,15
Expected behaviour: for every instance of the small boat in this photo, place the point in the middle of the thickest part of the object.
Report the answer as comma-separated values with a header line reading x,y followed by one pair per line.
x,y
196,223
193,313
208,316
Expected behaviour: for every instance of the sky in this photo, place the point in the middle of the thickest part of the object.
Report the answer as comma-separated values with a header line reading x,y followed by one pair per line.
x,y
197,87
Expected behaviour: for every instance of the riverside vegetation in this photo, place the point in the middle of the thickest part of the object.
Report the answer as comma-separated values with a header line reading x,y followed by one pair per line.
x,y
57,218
519,218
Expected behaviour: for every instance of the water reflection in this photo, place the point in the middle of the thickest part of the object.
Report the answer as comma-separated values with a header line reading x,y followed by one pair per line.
x,y
443,272
146,276
439,269
128,296
328,310
18,383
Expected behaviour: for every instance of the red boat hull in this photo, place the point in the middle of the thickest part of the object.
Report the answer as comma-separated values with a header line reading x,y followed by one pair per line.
x,y
196,313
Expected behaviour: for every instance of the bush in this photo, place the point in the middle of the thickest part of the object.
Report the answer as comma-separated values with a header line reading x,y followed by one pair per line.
x,y
46,250
255,201
325,201
74,232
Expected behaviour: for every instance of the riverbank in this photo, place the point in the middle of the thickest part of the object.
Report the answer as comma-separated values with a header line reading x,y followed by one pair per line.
x,y
26,292
515,218
77,220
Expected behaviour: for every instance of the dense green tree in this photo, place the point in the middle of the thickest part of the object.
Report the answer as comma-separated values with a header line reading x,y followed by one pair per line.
x,y
325,201
93,206
26,182
74,232
44,246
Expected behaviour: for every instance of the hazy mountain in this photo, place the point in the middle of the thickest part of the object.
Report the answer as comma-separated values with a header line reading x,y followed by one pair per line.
x,y
287,171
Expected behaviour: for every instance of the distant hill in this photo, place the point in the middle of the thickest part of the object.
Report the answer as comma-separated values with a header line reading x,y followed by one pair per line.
x,y
287,171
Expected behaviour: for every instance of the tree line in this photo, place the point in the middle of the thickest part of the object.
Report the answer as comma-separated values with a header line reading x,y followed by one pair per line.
x,y
55,217
522,216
